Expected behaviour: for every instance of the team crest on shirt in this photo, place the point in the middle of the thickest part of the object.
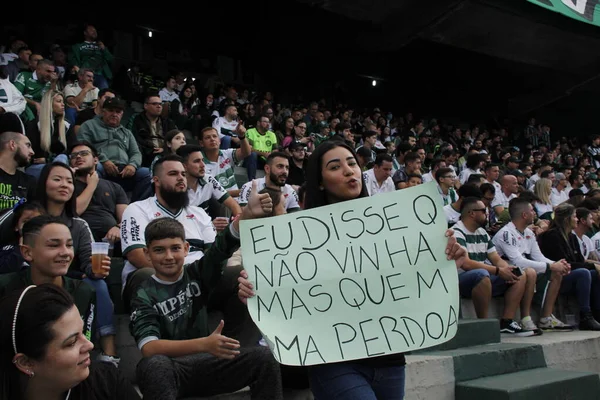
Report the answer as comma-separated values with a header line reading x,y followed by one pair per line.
x,y
223,181
268,143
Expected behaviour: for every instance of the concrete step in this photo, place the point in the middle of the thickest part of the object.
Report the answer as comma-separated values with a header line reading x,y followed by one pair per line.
x,y
431,375
493,359
540,383
471,332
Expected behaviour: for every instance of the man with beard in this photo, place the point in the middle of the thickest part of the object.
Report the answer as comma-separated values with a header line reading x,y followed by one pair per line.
x,y
15,185
202,188
277,170
100,203
171,201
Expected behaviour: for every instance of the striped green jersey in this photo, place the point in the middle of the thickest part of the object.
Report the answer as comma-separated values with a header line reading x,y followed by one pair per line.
x,y
478,243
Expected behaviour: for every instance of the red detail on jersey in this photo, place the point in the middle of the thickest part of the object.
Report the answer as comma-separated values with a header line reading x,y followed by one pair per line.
x,y
190,216
156,215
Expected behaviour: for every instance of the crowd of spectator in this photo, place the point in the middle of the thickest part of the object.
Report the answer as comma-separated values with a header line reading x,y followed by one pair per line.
x,y
167,187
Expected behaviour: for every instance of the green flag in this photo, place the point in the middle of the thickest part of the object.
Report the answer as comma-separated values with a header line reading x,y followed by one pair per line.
x,y
582,10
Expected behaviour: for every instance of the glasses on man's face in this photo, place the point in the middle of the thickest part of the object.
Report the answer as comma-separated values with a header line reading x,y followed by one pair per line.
x,y
490,199
449,176
83,153
156,103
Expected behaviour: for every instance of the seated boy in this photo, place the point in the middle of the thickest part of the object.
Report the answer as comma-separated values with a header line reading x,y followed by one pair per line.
x,y
169,320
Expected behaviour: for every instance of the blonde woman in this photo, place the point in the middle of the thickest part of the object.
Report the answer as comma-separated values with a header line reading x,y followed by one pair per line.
x,y
49,133
543,190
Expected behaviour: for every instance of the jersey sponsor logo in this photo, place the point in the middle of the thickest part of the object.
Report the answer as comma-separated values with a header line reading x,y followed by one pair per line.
x,y
157,214
134,230
225,163
190,216
178,305
89,323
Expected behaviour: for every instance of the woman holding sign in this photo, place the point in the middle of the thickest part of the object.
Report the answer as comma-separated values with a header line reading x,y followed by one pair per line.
x,y
333,175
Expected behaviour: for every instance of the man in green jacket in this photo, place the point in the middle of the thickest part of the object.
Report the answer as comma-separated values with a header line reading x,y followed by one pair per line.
x,y
92,54
119,155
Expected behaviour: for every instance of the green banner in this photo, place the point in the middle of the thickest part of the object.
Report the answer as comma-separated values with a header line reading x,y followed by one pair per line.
x,y
582,10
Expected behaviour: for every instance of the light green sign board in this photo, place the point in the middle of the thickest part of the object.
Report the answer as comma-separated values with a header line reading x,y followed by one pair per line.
x,y
358,279
582,10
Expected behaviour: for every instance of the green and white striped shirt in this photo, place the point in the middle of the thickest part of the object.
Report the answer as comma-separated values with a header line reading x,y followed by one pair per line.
x,y
478,243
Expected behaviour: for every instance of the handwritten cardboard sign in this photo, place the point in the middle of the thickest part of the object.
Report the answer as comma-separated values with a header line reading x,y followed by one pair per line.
x,y
357,279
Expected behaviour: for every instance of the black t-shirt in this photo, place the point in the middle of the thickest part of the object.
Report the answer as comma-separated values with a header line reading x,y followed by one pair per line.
x,y
15,187
296,175
101,213
105,382
12,189
85,115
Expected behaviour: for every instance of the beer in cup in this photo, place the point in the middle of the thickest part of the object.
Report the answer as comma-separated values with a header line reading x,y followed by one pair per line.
x,y
99,251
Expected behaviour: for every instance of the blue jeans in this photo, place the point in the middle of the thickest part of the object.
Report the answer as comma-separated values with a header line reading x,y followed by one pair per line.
x,y
104,308
70,114
225,142
36,169
585,284
352,381
252,163
137,184
100,81
469,279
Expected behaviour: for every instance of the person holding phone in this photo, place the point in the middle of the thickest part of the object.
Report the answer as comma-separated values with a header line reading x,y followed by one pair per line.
x,y
485,274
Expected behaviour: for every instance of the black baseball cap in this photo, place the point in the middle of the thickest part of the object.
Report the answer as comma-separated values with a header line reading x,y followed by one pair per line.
x,y
296,145
113,103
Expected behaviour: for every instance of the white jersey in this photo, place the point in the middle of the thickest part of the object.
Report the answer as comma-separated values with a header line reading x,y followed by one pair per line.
x,y
289,194
223,170
199,229
428,177
373,187
520,249
208,188
464,175
557,197
167,96
224,127
73,90
585,245
452,216
500,199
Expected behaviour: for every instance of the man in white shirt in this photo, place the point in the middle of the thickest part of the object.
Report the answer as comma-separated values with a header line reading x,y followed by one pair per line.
x,y
435,165
171,201
277,169
517,243
379,178
80,94
227,125
452,211
202,188
492,173
168,93
508,191
559,192
446,179
538,175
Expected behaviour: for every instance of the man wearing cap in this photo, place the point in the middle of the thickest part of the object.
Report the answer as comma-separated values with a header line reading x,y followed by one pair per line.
x,y
512,163
298,161
119,155
263,142
559,191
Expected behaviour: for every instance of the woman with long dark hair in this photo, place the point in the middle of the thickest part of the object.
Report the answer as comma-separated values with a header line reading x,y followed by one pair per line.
x,y
560,242
58,181
333,176
45,355
181,109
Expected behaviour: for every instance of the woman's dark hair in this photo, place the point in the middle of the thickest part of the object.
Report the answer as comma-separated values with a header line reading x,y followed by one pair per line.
x,y
168,138
27,206
185,102
315,197
70,210
40,308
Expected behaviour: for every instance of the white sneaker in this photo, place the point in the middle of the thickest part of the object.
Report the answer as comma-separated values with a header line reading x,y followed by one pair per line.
x,y
109,359
552,323
528,325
